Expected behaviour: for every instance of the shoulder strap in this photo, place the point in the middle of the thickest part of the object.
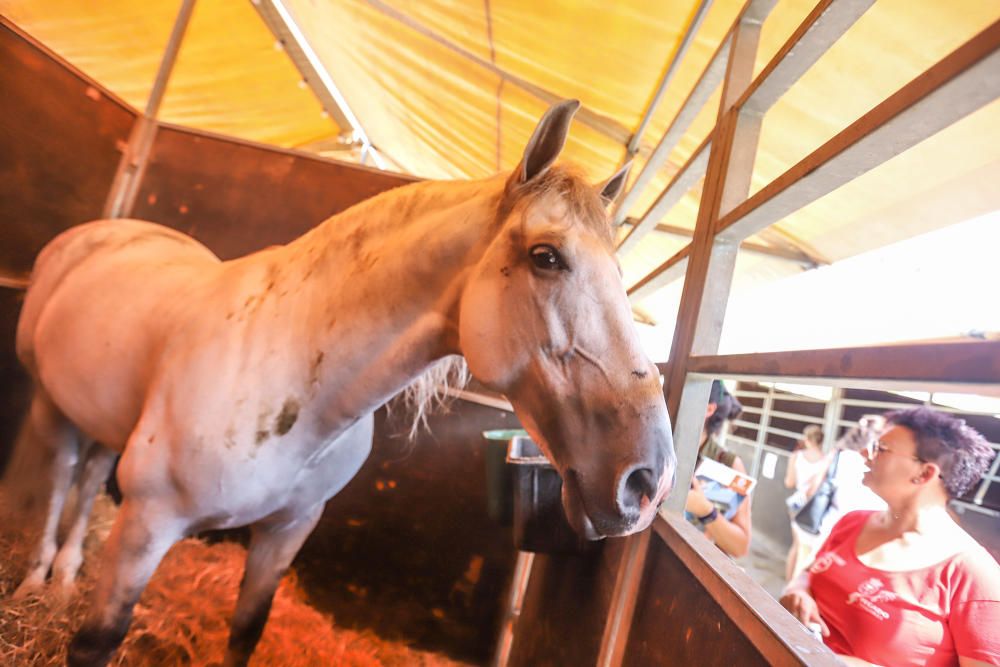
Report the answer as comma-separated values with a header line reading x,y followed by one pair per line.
x,y
832,470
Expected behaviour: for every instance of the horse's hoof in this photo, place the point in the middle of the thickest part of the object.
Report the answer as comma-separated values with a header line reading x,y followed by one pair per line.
x,y
64,591
29,588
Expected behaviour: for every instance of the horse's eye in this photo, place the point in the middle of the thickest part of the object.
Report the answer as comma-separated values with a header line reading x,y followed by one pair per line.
x,y
546,257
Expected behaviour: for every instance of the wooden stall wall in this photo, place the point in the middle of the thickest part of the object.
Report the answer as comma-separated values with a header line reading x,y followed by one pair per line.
x,y
60,141
237,197
677,622
565,608
407,549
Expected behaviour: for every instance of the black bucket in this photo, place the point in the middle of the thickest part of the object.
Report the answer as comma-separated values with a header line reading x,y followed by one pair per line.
x,y
540,523
499,477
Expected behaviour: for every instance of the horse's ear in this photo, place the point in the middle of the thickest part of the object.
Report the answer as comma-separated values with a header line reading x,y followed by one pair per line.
x,y
614,185
546,142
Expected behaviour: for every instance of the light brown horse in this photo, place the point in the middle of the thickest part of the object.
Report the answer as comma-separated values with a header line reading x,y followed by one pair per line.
x,y
241,392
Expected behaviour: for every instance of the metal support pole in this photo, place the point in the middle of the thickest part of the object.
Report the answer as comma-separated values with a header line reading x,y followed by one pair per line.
x,y
132,166
515,601
831,416
762,426
703,304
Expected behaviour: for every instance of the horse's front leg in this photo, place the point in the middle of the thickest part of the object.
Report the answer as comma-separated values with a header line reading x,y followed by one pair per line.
x,y
143,532
272,548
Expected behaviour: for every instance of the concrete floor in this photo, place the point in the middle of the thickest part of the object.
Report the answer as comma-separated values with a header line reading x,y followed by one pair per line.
x,y
765,564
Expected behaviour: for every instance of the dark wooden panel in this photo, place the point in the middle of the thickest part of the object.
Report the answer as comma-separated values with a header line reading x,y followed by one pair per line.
x,y
407,548
677,622
237,197
565,608
14,382
60,136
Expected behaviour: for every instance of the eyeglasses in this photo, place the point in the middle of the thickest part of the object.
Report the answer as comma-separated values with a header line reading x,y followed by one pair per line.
x,y
877,448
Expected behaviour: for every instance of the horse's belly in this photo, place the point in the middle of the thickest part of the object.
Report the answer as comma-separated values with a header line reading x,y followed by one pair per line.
x,y
230,487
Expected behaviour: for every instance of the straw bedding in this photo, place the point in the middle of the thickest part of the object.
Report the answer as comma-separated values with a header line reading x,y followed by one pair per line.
x,y
183,615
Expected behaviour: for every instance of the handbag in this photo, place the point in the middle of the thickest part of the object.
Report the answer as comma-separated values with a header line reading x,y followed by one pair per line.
x,y
810,517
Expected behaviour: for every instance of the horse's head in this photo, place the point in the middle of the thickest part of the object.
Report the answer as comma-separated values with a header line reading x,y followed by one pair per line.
x,y
545,320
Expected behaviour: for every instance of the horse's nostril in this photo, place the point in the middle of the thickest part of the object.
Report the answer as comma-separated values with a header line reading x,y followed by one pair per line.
x,y
640,482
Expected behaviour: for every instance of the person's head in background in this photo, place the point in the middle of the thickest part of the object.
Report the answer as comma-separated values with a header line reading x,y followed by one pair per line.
x,y
926,457
722,407
812,438
862,435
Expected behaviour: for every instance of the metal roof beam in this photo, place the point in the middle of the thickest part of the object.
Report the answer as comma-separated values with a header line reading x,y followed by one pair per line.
x,y
284,28
972,366
784,253
707,83
633,145
962,82
686,177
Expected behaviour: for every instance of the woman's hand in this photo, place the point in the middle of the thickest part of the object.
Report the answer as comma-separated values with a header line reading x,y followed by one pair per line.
x,y
697,504
803,607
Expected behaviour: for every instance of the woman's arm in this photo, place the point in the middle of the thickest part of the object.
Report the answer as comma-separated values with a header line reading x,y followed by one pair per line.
x,y
970,662
856,662
790,480
797,599
733,536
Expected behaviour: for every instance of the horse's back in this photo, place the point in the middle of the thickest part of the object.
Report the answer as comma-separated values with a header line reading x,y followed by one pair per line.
x,y
87,311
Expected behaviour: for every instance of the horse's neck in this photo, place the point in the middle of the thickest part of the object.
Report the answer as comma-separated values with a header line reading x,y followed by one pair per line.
x,y
381,283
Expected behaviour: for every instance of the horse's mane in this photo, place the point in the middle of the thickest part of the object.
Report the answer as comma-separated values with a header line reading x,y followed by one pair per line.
x,y
429,392
568,183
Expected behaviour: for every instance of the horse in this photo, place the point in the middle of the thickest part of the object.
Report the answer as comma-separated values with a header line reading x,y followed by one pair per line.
x,y
241,392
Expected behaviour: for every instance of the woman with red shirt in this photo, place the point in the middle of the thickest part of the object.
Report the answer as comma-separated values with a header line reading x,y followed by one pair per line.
x,y
908,586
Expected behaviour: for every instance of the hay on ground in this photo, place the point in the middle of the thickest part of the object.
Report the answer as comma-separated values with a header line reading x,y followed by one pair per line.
x,y
183,615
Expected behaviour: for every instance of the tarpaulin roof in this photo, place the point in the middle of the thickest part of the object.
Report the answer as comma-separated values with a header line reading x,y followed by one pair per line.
x,y
453,88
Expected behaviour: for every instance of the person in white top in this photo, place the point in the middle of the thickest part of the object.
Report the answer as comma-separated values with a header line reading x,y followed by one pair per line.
x,y
851,493
805,470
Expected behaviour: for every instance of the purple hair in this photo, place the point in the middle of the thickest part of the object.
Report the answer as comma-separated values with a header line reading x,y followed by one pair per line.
x,y
959,450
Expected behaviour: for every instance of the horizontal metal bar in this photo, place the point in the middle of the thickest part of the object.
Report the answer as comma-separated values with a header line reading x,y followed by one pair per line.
x,y
861,403
797,417
771,449
707,83
671,270
775,252
774,430
959,84
974,365
689,174
976,508
750,394
480,399
18,282
775,633
824,25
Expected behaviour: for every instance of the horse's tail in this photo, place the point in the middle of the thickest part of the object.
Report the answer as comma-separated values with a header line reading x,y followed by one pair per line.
x,y
25,467
23,478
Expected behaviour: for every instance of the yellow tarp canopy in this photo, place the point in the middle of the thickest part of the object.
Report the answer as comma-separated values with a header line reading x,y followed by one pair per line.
x,y
452,89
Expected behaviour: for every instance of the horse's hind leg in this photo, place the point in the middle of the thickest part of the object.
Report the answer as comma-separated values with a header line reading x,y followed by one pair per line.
x,y
47,434
272,548
96,467
143,532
